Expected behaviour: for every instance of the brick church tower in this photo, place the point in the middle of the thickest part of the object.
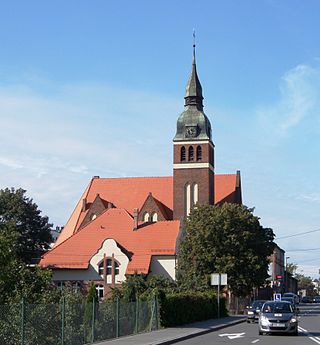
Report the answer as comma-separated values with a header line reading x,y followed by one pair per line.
x,y
193,152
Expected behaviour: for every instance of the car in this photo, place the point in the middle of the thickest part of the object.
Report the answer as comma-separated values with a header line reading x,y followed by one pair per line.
x,y
307,299
289,299
293,295
316,299
253,310
278,317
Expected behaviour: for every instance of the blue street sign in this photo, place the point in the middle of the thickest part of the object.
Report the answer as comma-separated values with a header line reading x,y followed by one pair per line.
x,y
277,296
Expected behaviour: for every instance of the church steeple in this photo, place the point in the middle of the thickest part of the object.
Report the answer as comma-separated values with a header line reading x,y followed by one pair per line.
x,y
193,152
193,95
193,122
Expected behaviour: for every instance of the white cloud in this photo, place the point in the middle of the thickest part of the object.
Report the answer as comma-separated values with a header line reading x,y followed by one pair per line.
x,y
52,144
10,163
299,101
314,197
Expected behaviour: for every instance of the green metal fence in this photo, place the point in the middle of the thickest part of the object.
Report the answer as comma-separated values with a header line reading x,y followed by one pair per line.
x,y
75,324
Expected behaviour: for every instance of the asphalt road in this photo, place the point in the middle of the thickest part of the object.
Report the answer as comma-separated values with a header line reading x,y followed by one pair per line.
x,y
247,333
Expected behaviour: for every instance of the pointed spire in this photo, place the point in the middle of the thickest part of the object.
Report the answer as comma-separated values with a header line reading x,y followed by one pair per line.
x,y
194,90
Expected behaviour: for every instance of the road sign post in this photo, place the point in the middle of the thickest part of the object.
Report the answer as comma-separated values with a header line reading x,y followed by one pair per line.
x,y
219,279
277,296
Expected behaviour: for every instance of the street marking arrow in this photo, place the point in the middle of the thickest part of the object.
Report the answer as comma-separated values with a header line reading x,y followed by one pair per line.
x,y
232,335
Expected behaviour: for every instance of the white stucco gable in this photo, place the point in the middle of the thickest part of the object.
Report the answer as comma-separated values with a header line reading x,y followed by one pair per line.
x,y
108,247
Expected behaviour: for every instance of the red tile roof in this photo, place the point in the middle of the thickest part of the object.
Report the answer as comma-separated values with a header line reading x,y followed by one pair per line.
x,y
131,192
74,249
224,184
152,239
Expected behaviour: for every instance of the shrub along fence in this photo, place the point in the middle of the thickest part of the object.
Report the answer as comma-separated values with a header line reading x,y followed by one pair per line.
x,y
75,324
181,308
68,323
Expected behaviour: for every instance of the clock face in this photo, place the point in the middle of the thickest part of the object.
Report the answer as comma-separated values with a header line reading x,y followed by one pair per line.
x,y
191,132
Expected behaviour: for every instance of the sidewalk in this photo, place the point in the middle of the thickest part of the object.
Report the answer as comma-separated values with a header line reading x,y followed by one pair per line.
x,y
172,335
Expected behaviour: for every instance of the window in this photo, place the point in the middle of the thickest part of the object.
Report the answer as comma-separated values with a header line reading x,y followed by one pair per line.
x,y
154,217
146,217
100,268
190,153
116,268
183,154
61,285
93,216
195,193
199,153
109,267
187,198
76,286
100,291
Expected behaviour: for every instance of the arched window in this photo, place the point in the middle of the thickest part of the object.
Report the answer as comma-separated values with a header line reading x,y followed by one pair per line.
x,y
100,290
109,267
146,217
199,153
154,217
190,153
183,154
187,198
195,193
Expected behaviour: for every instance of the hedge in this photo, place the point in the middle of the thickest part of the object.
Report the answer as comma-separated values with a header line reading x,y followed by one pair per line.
x,y
187,307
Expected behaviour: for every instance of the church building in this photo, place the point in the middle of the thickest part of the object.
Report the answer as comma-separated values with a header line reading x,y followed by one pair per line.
x,y
125,226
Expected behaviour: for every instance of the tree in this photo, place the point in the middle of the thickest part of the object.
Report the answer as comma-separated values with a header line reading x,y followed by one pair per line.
x,y
32,230
305,283
8,262
227,239
292,268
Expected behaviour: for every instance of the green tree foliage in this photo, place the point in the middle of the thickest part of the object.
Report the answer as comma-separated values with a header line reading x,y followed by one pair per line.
x,y
227,239
8,261
305,283
32,230
292,268
24,234
17,279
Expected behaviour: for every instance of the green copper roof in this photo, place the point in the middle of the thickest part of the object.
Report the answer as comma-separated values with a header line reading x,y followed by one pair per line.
x,y
193,123
194,90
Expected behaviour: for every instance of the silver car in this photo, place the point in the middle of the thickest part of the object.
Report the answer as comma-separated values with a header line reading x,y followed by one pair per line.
x,y
278,317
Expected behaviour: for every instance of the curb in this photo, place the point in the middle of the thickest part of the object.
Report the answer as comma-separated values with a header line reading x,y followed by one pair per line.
x,y
196,334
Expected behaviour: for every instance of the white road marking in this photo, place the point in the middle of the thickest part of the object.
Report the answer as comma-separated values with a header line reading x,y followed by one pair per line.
x,y
315,339
255,341
232,335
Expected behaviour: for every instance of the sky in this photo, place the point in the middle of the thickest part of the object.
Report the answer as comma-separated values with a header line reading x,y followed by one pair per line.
x,y
95,88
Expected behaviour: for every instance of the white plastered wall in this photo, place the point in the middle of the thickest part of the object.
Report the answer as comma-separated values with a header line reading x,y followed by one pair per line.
x,y
164,265
109,247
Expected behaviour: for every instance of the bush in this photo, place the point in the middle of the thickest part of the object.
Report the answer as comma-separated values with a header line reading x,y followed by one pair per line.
x,y
187,307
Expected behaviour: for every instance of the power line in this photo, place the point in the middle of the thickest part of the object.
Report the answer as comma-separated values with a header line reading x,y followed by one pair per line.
x,y
298,234
302,250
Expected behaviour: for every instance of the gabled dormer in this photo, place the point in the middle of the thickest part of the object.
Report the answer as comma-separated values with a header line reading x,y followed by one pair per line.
x,y
153,210
94,209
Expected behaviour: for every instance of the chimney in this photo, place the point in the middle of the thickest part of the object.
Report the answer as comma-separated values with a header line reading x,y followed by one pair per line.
x,y
84,204
135,218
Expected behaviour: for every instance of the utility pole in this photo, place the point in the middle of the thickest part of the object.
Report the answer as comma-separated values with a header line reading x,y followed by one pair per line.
x,y
286,275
